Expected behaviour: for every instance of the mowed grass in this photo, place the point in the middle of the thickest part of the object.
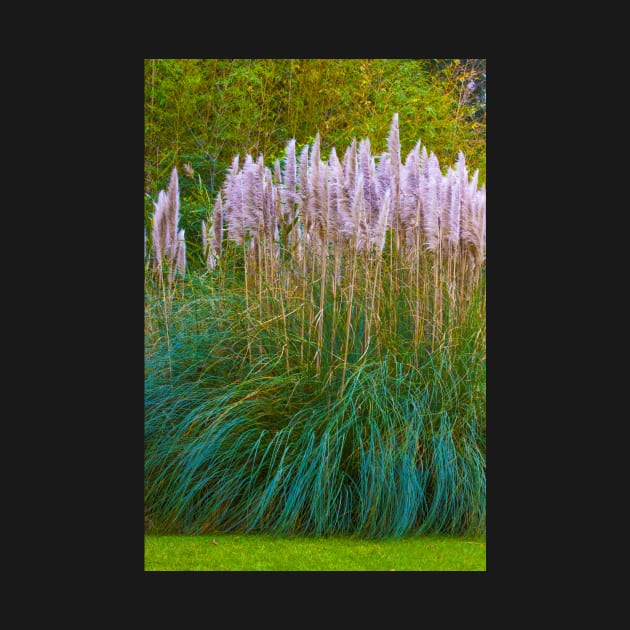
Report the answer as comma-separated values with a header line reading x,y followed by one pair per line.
x,y
259,552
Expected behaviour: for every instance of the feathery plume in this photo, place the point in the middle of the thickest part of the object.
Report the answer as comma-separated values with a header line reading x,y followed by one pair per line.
x,y
471,188
164,228
289,180
446,186
344,203
433,167
173,208
455,210
234,167
377,236
158,229
334,192
276,201
393,147
253,219
278,184
367,170
468,199
431,213
383,177
322,216
358,226
181,253
303,193
232,211
475,236
262,210
462,184
374,196
424,158
350,169
410,190
314,201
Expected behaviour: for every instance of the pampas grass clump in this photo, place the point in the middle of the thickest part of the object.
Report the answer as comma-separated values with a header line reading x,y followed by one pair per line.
x,y
327,373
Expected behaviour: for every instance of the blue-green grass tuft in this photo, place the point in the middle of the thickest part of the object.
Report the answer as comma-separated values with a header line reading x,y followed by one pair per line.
x,y
238,440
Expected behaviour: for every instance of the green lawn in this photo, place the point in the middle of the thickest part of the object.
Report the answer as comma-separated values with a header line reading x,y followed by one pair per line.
x,y
248,552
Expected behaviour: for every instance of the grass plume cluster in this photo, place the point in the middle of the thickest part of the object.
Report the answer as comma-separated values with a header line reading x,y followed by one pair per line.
x,y
326,375
168,241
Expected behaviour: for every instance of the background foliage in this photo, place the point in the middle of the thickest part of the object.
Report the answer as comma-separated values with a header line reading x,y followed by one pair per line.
x,y
203,112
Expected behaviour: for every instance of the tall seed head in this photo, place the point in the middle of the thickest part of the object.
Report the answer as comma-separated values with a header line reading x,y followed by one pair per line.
x,y
314,202
445,206
410,190
455,211
289,178
432,213
393,147
232,211
380,229
303,194
158,229
350,169
334,190
173,208
466,219
253,218
359,224
383,177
